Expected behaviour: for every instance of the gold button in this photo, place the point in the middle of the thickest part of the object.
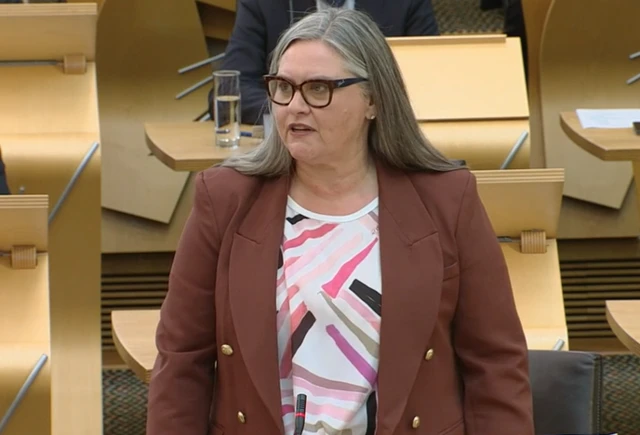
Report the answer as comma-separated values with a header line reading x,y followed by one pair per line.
x,y
226,350
416,422
241,418
429,355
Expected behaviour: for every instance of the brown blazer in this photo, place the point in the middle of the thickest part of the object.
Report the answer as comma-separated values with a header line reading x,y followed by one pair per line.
x,y
453,356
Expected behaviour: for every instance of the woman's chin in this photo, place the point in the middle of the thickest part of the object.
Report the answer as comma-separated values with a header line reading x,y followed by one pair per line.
x,y
302,151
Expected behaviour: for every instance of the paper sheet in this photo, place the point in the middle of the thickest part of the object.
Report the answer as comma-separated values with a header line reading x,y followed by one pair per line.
x,y
608,118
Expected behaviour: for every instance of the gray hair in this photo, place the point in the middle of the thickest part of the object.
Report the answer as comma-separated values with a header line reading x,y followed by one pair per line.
x,y
395,137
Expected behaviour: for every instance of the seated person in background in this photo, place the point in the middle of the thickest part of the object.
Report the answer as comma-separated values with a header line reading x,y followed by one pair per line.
x,y
259,24
4,186
344,258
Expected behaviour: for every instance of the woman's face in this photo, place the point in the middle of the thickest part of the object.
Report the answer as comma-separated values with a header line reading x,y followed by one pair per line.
x,y
328,135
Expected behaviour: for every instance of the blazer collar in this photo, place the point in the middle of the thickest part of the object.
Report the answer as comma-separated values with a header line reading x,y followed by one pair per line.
x,y
412,271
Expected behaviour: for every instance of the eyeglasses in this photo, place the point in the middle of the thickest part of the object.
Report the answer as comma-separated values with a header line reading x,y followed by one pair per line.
x,y
316,93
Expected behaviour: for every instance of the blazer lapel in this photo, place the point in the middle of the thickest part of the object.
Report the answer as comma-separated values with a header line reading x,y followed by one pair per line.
x,y
252,290
412,272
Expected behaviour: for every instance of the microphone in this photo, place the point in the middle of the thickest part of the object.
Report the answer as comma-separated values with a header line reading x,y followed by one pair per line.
x,y
301,413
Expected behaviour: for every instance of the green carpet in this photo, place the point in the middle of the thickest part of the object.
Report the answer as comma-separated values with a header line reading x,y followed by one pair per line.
x,y
125,398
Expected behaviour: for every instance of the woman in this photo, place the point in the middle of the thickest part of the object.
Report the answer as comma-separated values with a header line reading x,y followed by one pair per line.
x,y
344,259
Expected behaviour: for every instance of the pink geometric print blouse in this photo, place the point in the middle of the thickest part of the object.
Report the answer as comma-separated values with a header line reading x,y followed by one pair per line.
x,y
329,304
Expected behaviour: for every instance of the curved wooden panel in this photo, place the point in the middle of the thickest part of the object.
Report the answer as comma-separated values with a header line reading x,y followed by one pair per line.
x,y
584,63
482,144
624,319
140,47
24,316
134,336
535,15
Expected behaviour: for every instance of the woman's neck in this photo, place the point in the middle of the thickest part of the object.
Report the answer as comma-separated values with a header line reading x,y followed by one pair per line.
x,y
340,189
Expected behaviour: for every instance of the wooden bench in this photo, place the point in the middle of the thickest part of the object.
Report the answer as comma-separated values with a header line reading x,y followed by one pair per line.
x,y
24,315
49,135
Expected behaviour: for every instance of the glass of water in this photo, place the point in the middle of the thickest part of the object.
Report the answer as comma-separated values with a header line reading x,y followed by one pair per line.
x,y
227,107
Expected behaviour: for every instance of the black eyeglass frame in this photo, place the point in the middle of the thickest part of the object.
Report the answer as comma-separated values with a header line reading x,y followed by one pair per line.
x,y
331,84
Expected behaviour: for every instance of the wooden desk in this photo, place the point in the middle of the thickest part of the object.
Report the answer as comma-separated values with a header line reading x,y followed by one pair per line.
x,y
190,146
624,319
608,144
134,333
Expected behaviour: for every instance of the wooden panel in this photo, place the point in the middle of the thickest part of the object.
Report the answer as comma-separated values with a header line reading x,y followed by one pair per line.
x,y
24,338
537,290
49,122
24,315
140,47
535,14
520,199
585,220
61,103
122,233
463,77
24,221
584,63
482,144
47,31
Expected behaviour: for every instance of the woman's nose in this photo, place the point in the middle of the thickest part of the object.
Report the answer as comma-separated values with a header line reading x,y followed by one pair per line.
x,y
298,104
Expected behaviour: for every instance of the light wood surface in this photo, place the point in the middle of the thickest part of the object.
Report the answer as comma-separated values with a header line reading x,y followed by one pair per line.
x,y
516,201
24,315
47,31
584,63
535,15
477,76
140,47
134,333
477,117
608,144
522,199
483,144
624,318
190,146
49,122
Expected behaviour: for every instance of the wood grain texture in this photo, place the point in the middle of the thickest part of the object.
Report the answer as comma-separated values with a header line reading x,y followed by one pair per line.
x,y
624,318
584,63
49,122
25,315
47,31
535,15
140,47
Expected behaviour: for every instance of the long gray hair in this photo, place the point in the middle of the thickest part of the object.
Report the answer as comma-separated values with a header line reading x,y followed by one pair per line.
x,y
394,135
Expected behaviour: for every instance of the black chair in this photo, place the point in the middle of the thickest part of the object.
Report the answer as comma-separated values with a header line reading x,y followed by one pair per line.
x,y
567,392
4,186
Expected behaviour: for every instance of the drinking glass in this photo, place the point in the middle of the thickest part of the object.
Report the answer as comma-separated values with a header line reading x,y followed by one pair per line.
x,y
226,85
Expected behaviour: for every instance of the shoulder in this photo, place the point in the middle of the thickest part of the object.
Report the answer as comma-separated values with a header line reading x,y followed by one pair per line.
x,y
442,186
222,184
225,191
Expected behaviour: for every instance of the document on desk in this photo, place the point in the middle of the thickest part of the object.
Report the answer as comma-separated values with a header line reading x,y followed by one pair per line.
x,y
608,118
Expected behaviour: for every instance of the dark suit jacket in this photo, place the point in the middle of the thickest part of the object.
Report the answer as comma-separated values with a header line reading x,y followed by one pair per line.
x,y
4,186
259,24
446,294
